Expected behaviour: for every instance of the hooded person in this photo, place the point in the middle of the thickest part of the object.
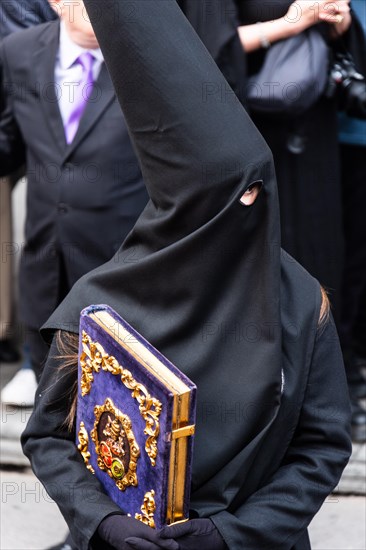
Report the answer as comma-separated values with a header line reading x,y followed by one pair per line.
x,y
203,278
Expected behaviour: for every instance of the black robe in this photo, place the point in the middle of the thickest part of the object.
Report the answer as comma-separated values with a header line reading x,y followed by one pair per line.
x,y
216,24
204,279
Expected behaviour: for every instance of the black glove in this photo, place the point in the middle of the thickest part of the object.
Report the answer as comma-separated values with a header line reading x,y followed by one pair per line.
x,y
115,529
195,534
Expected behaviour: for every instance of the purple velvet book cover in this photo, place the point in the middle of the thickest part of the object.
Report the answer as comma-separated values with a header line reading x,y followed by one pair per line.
x,y
127,427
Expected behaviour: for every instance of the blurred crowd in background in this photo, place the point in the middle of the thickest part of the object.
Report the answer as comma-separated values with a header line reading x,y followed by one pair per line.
x,y
85,189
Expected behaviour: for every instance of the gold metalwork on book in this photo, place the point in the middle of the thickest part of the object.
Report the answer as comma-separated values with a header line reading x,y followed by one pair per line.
x,y
148,509
84,446
185,431
115,444
92,359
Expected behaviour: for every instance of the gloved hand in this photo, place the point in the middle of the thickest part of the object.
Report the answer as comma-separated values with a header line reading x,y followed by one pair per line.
x,y
195,534
117,529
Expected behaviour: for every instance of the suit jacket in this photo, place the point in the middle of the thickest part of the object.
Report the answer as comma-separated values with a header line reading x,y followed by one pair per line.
x,y
83,198
21,14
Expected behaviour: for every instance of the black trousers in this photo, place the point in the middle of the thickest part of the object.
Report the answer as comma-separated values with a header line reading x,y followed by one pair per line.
x,y
352,328
38,350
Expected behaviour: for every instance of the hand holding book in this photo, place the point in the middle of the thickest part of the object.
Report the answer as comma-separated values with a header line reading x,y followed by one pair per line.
x,y
197,533
117,529
123,533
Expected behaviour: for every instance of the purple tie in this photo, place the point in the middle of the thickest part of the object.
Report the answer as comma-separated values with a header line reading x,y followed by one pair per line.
x,y
82,94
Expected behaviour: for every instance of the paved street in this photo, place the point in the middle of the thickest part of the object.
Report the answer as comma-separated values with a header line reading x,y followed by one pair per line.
x,y
31,521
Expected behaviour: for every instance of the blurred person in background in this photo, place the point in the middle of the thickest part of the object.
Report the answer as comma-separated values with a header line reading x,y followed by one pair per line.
x,y
85,188
15,15
305,147
352,326
8,351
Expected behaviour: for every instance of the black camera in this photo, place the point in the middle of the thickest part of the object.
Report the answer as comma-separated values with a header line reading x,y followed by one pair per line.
x,y
348,85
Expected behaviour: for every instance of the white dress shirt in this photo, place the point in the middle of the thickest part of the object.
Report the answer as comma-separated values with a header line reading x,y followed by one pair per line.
x,y
68,73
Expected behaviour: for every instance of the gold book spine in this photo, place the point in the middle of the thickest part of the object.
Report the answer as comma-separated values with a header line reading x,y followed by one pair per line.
x,y
178,459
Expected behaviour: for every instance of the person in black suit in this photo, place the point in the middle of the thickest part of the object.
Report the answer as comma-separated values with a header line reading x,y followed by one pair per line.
x,y
84,191
14,16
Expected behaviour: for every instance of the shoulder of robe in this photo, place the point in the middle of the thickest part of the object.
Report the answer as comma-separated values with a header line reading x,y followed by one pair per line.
x,y
301,299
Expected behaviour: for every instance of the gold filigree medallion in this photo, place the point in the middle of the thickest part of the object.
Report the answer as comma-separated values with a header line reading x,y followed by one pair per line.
x,y
93,358
115,444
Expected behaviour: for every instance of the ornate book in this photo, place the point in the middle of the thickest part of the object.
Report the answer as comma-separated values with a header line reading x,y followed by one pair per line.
x,y
135,419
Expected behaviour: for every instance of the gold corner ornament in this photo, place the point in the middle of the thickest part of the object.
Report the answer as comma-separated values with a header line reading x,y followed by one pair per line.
x,y
90,360
93,358
84,446
115,444
148,509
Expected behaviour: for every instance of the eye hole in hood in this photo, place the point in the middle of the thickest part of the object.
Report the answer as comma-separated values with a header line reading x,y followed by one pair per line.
x,y
251,193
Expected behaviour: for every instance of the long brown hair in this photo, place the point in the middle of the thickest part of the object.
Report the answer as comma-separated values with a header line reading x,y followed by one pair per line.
x,y
324,309
68,347
68,350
